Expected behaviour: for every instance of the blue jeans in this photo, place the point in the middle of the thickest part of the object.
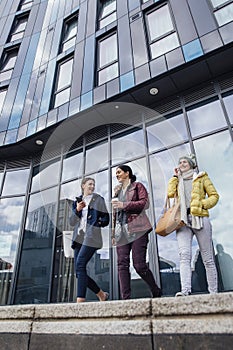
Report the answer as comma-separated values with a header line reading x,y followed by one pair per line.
x,y
82,255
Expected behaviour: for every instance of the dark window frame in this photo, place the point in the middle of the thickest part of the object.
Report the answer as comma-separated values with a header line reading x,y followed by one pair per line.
x,y
16,22
7,54
102,4
74,17
56,91
101,68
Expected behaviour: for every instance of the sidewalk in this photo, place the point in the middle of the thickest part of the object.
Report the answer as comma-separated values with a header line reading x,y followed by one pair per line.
x,y
194,322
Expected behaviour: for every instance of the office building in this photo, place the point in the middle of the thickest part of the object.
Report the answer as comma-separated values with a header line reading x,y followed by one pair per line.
x,y
86,85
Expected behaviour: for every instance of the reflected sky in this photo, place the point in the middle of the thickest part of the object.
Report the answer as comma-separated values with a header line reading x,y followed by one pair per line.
x,y
15,182
206,118
215,155
11,210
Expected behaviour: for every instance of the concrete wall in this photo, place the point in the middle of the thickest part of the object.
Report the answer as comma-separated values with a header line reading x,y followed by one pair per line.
x,y
195,322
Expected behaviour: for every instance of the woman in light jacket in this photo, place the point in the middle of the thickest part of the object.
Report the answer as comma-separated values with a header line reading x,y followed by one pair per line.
x,y
89,215
129,210
197,195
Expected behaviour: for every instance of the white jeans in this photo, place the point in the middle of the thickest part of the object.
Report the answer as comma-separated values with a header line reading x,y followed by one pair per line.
x,y
204,238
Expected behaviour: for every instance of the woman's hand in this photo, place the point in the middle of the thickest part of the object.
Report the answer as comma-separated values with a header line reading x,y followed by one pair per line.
x,y
80,205
117,204
177,171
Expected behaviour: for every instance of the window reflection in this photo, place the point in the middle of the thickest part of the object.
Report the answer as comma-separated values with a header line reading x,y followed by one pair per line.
x,y
69,33
63,82
8,63
107,59
162,35
96,157
19,27
72,165
127,146
228,101
2,97
1,177
215,155
206,118
45,175
64,281
107,12
15,182
223,11
162,165
11,210
139,288
35,264
166,132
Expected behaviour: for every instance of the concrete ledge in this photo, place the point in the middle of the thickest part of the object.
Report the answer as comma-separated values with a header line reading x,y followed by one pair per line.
x,y
197,322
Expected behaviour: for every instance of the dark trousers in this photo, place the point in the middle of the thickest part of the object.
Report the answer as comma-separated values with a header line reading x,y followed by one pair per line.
x,y
82,255
139,248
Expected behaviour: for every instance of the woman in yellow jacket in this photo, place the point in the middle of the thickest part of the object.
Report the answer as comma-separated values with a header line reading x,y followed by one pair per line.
x,y
197,195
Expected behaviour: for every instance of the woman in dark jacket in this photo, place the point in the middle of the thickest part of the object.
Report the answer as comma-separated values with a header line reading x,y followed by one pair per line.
x,y
89,214
129,211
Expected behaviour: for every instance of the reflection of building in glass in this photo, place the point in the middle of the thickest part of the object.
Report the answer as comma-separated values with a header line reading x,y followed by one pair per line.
x,y
224,264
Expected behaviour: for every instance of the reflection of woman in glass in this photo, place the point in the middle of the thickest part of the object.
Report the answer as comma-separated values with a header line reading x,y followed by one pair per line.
x,y
89,214
197,194
135,227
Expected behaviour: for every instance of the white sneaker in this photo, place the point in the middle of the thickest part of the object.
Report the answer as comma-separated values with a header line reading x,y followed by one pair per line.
x,y
182,294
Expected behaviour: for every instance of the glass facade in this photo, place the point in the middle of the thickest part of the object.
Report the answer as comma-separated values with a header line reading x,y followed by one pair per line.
x,y
60,58
41,209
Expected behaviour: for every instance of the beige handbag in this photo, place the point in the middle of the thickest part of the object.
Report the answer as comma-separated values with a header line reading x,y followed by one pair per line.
x,y
170,219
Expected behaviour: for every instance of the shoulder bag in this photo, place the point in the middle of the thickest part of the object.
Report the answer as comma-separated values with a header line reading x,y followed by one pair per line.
x,y
170,219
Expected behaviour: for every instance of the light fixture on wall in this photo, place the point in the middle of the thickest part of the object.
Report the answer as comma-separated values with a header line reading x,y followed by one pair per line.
x,y
39,142
154,91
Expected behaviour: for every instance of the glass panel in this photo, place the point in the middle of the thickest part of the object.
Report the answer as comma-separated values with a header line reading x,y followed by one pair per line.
x,y
215,155
139,288
35,263
216,3
127,147
25,4
206,118
11,211
2,98
15,182
64,75
64,279
96,158
228,101
9,63
192,50
72,165
19,29
108,73
162,165
6,75
64,288
166,132
68,44
104,22
108,7
166,44
62,97
1,177
45,175
107,50
225,14
159,22
70,34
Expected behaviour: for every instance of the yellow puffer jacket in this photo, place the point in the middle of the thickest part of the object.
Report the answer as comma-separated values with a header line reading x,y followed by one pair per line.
x,y
202,186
